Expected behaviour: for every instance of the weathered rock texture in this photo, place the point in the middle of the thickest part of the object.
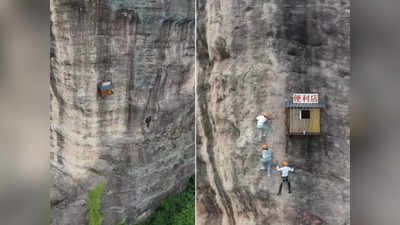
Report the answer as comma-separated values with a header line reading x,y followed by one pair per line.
x,y
139,141
251,57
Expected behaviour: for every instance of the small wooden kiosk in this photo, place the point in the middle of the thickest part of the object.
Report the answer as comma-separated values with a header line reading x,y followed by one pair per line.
x,y
106,88
304,114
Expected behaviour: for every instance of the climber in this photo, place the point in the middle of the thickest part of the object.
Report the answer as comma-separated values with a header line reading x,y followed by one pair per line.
x,y
285,173
266,159
261,124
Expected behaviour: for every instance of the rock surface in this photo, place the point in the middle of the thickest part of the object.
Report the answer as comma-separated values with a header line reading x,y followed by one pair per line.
x,y
138,141
251,57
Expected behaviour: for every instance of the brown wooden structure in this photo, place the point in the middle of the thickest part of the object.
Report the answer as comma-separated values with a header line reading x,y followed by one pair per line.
x,y
303,118
106,88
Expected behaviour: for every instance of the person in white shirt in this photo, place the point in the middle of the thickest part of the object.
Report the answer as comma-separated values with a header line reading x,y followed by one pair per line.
x,y
285,173
266,159
261,124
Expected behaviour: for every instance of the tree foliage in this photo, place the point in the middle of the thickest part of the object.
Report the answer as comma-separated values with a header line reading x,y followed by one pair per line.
x,y
178,209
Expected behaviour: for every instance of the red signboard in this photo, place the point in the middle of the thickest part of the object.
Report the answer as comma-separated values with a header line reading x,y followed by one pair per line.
x,y
305,98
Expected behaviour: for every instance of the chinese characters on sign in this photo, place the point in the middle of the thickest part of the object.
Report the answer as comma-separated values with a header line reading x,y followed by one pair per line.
x,y
305,98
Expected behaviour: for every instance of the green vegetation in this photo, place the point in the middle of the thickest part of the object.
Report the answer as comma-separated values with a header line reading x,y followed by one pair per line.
x,y
176,209
95,216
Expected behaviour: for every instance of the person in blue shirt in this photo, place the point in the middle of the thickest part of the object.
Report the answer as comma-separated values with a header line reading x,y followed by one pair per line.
x,y
285,176
266,159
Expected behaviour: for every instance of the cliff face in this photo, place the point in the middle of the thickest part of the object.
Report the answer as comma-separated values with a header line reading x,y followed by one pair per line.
x,y
138,141
251,57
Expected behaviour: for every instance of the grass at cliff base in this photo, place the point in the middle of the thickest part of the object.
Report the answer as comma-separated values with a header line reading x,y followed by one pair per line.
x,y
95,216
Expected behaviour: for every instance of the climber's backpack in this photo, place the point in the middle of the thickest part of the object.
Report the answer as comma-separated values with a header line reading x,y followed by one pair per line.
x,y
268,155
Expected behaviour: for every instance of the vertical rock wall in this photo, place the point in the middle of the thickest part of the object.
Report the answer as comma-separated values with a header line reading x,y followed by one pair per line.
x,y
251,57
140,140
